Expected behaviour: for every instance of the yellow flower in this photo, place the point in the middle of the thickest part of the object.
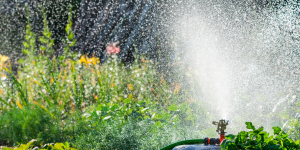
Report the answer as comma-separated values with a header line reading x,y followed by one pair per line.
x,y
20,106
82,59
130,87
86,60
3,59
94,60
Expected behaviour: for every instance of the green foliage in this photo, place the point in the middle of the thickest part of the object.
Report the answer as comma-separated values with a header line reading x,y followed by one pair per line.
x,y
260,140
31,122
101,106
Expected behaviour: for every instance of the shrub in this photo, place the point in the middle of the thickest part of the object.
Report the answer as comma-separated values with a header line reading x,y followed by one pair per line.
x,y
259,139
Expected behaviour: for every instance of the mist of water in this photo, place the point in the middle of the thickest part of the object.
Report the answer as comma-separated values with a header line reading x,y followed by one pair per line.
x,y
243,57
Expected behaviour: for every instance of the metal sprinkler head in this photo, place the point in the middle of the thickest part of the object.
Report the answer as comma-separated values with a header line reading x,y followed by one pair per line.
x,y
221,126
220,129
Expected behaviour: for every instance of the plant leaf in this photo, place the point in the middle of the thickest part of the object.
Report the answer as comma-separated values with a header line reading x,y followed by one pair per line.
x,y
276,130
230,137
249,125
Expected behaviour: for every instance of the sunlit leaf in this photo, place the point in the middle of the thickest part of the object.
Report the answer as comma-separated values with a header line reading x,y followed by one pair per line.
x,y
230,136
276,130
250,126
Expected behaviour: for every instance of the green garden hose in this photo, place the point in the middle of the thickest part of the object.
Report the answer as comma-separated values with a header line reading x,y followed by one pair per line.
x,y
195,141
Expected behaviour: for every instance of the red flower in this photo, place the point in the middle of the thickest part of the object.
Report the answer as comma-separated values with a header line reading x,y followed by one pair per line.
x,y
112,48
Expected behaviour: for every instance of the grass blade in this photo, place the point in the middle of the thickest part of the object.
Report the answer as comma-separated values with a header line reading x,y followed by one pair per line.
x,y
6,103
19,87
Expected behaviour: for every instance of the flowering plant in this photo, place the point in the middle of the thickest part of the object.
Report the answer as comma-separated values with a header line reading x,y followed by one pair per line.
x,y
112,48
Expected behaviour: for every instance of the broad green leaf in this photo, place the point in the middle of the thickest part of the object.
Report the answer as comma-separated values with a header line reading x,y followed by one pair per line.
x,y
249,125
276,130
224,144
284,135
259,130
230,137
243,135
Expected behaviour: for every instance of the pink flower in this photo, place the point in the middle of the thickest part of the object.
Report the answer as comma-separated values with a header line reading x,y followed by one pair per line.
x,y
112,48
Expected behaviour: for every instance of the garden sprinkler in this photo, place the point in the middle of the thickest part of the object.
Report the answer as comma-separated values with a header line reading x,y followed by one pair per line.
x,y
213,143
221,126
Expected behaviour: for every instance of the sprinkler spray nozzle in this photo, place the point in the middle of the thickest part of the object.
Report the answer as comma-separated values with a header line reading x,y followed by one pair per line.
x,y
221,126
220,129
